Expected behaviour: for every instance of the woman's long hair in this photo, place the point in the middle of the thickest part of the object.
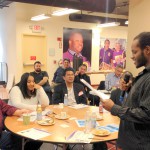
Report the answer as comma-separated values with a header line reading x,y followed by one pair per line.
x,y
23,86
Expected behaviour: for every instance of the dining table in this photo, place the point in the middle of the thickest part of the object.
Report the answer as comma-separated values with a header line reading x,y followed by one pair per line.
x,y
63,128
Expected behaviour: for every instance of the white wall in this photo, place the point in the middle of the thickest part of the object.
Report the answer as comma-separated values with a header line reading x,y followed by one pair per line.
x,y
138,22
53,28
8,37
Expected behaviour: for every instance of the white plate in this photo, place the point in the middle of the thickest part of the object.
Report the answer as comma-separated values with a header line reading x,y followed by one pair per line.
x,y
59,117
101,132
46,122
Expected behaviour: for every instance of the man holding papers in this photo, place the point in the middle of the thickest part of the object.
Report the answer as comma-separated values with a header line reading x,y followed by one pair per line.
x,y
134,130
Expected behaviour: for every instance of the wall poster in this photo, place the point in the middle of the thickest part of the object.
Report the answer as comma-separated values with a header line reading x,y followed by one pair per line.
x,y
77,42
112,53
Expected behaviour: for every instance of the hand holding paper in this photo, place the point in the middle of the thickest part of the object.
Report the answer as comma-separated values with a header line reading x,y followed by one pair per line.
x,y
98,93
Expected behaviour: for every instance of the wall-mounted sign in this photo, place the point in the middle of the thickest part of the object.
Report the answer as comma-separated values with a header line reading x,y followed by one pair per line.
x,y
32,57
36,28
59,39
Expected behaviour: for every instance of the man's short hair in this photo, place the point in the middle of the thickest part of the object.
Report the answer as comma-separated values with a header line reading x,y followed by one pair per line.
x,y
107,41
37,62
84,65
73,33
144,39
119,66
68,69
66,59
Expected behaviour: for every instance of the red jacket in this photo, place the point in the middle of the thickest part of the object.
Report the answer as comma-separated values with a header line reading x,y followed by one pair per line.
x,y
5,110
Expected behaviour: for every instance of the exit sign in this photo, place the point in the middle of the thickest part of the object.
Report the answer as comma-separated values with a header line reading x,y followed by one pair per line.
x,y
36,28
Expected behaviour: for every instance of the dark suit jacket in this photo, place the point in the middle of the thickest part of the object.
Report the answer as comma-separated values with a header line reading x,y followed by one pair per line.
x,y
115,95
61,89
86,78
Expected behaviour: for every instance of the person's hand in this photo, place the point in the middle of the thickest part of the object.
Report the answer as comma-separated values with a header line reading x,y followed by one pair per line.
x,y
43,107
76,73
108,104
124,86
52,83
36,86
20,112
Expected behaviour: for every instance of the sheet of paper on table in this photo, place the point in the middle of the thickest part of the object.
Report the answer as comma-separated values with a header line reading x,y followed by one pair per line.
x,y
34,133
81,123
111,127
80,136
78,106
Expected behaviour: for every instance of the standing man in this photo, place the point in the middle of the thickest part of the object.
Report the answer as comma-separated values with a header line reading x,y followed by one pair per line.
x,y
41,78
112,79
75,91
106,56
75,47
134,130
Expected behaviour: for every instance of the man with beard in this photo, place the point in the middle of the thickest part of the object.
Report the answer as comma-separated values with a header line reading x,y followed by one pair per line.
x,y
134,130
41,78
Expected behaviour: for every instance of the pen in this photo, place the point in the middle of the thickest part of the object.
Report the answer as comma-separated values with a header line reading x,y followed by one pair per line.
x,y
41,130
70,136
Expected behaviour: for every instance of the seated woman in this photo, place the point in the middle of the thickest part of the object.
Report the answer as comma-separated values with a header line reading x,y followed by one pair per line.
x,y
26,94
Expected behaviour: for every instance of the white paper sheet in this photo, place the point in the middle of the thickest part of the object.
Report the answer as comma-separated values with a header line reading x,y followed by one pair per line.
x,y
80,136
78,106
98,93
34,133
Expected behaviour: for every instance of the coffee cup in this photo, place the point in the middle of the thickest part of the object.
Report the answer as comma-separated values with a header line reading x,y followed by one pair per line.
x,y
26,119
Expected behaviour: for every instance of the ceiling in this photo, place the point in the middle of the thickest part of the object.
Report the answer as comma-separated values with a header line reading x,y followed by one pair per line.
x,y
88,8
109,6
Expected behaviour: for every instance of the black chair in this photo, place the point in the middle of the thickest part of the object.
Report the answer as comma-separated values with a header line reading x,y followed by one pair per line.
x,y
2,83
101,85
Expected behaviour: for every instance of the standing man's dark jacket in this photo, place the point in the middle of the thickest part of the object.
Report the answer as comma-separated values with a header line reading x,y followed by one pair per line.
x,y
134,131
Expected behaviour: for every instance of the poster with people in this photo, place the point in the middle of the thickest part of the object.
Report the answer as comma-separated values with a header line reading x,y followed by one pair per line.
x,y
77,43
112,53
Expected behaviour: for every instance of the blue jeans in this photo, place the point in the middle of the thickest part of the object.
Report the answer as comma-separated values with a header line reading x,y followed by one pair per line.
x,y
5,141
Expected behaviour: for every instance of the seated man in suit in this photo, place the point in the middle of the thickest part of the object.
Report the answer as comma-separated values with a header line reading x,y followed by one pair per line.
x,y
119,95
81,74
75,91
58,75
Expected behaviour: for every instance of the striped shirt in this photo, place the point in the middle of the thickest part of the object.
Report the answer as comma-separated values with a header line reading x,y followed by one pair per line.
x,y
134,130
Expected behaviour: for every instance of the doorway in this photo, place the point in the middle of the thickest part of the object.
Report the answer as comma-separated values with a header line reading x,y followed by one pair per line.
x,y
34,49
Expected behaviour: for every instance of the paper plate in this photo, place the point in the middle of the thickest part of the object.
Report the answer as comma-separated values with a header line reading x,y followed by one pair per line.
x,y
101,132
99,118
59,117
46,122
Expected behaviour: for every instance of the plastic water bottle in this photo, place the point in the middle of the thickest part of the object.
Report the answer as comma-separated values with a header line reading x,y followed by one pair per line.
x,y
87,122
66,100
39,112
100,107
93,120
